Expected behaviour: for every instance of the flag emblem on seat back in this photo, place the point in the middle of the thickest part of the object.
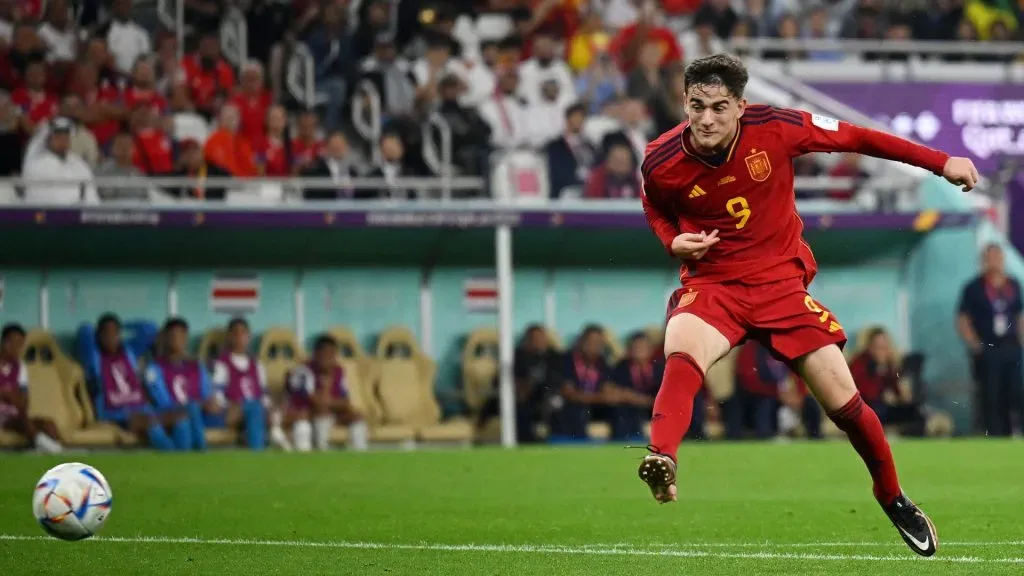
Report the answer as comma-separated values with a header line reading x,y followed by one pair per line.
x,y
235,293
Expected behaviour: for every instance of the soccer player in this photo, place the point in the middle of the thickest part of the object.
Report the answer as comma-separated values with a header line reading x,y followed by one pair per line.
x,y
718,193
178,382
318,397
14,412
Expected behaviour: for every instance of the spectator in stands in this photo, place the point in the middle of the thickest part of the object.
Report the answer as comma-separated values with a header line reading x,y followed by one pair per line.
x,y
756,17
545,66
268,22
585,385
37,103
121,165
480,79
25,47
470,133
799,407
252,100
849,166
318,398
392,78
100,104
392,166
819,27
437,20
329,46
58,32
333,164
506,114
702,40
177,382
229,150
668,103
646,79
537,369
600,84
205,15
636,381
8,18
209,76
97,54
648,28
127,40
307,146
787,28
14,409
990,324
54,163
170,71
154,152
571,156
631,127
876,371
83,141
192,164
589,41
272,148
616,177
142,88
436,63
756,397
121,398
547,116
371,29
240,383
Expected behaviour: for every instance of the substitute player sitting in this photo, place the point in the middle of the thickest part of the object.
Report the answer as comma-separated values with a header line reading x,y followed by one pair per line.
x,y
718,193
318,398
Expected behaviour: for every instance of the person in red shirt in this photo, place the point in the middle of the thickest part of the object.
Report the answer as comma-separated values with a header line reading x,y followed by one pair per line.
x,y
877,373
209,77
625,46
142,89
102,112
229,150
718,194
252,100
154,151
36,103
306,146
271,148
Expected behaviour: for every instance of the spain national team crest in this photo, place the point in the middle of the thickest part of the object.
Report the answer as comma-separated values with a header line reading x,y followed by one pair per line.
x,y
759,166
686,299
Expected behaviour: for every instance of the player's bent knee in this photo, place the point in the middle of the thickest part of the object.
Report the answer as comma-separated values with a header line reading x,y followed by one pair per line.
x,y
689,334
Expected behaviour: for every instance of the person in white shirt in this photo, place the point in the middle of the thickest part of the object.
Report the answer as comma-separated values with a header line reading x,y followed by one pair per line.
x,y
544,66
56,163
126,39
546,117
58,33
506,114
437,63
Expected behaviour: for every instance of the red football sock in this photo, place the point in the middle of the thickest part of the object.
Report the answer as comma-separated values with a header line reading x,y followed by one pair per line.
x,y
673,407
862,426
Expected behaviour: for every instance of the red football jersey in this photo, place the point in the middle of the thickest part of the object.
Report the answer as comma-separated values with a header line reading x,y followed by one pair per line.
x,y
270,154
153,152
38,106
206,85
747,192
305,153
253,113
134,97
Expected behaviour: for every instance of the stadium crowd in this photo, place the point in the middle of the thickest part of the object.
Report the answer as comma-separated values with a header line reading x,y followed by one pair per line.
x,y
99,90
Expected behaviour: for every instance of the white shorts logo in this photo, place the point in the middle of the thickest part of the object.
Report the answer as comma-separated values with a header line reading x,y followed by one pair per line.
x,y
825,123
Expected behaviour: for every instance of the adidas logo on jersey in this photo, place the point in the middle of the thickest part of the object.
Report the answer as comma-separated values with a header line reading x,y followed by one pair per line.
x,y
697,191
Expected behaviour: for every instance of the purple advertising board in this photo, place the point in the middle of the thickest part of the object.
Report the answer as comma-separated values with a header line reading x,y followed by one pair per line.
x,y
984,122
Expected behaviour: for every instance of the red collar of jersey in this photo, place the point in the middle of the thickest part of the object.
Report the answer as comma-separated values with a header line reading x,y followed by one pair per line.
x,y
688,149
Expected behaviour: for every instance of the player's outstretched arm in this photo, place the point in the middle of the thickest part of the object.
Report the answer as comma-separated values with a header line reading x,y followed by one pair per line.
x,y
821,134
687,246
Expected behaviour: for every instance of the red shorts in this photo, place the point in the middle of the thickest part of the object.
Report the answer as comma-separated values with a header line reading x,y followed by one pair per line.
x,y
780,315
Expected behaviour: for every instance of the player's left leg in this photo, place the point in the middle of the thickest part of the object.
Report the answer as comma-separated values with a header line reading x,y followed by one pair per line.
x,y
809,337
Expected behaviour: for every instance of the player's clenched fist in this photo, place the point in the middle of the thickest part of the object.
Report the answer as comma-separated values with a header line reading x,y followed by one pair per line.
x,y
961,172
693,246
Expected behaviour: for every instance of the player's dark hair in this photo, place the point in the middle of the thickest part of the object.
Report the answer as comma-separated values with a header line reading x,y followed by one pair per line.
x,y
238,322
324,340
10,329
717,70
107,318
175,322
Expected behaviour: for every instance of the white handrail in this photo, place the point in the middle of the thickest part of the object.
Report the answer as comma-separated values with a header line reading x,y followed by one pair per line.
x,y
369,129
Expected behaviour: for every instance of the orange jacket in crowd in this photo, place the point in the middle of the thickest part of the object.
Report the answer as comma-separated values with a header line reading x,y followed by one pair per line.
x,y
232,153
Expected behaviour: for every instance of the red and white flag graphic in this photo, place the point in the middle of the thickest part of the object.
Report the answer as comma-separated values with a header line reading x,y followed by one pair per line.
x,y
235,293
480,294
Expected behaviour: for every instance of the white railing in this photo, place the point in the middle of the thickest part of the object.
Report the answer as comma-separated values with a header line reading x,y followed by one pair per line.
x,y
300,76
234,37
367,115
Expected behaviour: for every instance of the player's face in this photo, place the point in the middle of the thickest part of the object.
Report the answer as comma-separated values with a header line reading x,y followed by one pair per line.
x,y
325,356
13,345
714,116
239,338
177,340
110,336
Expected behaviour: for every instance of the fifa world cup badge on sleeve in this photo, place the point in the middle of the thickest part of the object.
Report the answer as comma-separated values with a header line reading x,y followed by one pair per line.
x,y
758,165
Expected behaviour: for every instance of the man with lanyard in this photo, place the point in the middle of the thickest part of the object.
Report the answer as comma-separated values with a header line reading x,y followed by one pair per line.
x,y
989,322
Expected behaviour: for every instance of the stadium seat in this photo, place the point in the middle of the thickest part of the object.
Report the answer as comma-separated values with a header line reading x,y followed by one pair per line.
x,y
57,391
479,368
521,175
405,386
279,352
360,373
211,344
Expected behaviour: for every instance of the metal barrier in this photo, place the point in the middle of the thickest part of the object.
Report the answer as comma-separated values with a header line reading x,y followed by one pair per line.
x,y
300,75
234,37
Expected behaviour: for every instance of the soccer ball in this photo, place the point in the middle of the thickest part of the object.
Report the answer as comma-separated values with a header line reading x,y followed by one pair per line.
x,y
72,501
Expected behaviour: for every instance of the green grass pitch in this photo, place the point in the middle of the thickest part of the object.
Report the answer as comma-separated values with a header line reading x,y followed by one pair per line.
x,y
747,509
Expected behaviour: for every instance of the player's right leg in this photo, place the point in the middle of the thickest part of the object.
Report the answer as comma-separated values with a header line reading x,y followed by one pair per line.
x,y
700,330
